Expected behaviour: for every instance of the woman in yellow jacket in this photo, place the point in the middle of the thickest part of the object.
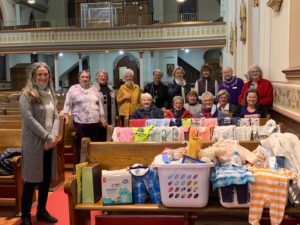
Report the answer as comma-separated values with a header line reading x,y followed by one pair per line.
x,y
128,97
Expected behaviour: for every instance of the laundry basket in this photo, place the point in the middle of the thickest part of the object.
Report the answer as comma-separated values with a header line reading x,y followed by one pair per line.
x,y
184,185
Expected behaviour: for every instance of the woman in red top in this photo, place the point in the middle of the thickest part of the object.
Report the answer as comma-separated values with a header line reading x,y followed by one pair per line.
x,y
178,111
263,86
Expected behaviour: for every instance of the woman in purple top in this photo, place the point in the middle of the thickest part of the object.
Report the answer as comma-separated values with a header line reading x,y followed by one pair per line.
x,y
83,101
251,107
232,84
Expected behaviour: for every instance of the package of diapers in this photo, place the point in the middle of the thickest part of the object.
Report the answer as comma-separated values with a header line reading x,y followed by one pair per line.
x,y
116,187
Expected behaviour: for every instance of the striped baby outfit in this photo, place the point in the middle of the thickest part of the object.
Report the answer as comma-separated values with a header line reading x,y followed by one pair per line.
x,y
270,187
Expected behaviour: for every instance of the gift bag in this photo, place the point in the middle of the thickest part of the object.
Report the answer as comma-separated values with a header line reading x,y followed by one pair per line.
x,y
91,183
152,185
139,191
145,182
78,168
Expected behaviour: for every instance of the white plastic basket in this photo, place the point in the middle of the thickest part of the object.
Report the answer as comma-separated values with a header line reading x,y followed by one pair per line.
x,y
184,185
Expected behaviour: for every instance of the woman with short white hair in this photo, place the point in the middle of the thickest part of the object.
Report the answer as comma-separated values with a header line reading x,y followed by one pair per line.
x,y
209,109
128,97
148,110
107,95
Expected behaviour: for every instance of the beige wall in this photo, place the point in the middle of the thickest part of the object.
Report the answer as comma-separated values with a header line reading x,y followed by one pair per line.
x,y
278,52
294,47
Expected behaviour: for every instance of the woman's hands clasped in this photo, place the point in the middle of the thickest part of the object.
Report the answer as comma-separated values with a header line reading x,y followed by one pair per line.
x,y
51,143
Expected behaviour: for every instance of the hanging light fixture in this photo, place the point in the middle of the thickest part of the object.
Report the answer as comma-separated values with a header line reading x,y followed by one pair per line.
x,y
180,1
31,1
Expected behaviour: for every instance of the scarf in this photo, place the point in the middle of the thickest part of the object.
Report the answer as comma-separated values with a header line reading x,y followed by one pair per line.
x,y
178,114
208,112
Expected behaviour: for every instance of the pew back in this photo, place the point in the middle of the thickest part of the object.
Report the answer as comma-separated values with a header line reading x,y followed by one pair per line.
x,y
119,155
10,138
10,125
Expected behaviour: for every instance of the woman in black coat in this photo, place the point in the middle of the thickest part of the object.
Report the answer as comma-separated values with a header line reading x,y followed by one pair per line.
x,y
178,87
148,110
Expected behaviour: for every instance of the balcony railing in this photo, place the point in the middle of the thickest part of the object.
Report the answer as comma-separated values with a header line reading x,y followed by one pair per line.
x,y
119,21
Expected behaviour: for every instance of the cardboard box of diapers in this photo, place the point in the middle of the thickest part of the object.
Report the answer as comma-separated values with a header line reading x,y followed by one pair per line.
x,y
116,187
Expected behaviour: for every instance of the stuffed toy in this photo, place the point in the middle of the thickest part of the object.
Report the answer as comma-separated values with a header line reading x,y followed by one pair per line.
x,y
175,154
169,155
212,152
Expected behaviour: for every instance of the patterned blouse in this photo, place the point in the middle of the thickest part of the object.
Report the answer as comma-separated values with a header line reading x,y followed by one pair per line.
x,y
84,104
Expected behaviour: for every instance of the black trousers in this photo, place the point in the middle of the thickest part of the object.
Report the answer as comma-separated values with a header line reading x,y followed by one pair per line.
x,y
241,192
94,131
43,187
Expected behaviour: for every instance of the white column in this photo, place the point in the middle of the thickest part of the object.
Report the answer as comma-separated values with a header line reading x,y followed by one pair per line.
x,y
80,62
255,35
18,17
141,59
56,72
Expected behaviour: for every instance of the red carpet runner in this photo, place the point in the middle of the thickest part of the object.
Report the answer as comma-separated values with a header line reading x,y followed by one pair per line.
x,y
57,206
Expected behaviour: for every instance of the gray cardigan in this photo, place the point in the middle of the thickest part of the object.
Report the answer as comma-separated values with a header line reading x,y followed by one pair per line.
x,y
34,135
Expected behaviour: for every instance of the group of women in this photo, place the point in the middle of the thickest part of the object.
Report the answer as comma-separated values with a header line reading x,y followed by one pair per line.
x,y
206,99
95,106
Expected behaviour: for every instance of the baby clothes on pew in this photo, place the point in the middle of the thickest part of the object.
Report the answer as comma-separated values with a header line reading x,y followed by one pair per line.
x,y
270,187
158,122
242,133
226,132
141,133
137,122
166,134
122,134
241,193
227,175
202,133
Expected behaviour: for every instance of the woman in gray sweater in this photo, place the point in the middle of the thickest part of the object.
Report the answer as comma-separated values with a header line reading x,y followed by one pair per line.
x,y
39,137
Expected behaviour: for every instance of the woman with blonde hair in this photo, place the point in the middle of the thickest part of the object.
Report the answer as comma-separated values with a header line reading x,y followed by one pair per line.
x,y
179,87
224,105
40,125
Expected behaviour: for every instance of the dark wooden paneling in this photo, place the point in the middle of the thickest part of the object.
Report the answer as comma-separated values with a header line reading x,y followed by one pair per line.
x,y
290,125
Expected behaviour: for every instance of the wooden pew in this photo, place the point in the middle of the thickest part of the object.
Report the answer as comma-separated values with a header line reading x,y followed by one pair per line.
x,y
10,124
111,155
11,186
10,118
116,155
72,137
